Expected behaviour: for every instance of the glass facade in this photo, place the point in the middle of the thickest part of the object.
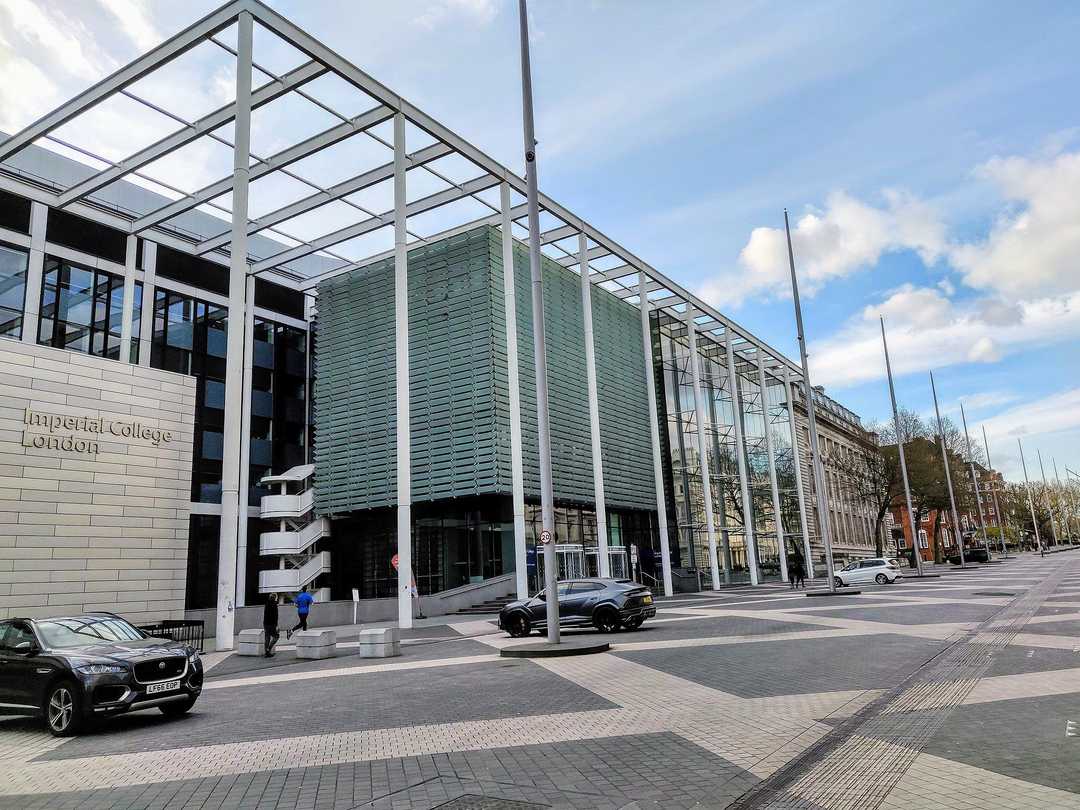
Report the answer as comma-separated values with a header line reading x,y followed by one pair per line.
x,y
81,309
779,426
278,403
189,338
13,263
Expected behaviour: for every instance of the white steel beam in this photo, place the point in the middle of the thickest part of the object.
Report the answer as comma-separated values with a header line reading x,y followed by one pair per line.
x,y
517,470
39,220
573,260
170,49
146,322
245,445
374,223
797,461
703,453
740,455
654,437
594,410
208,123
773,482
401,382
342,189
127,307
234,351
282,159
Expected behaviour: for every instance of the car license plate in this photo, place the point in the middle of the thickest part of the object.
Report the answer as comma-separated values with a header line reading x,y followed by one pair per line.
x,y
167,686
647,600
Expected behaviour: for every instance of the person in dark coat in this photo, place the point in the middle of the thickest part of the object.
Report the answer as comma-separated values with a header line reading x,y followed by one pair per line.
x,y
797,574
270,630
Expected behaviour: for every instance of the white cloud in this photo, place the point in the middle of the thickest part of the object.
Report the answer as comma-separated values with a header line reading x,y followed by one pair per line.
x,y
135,21
848,235
1056,413
479,12
927,330
1034,249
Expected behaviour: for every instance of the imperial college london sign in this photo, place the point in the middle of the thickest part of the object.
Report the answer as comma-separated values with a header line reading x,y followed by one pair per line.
x,y
52,431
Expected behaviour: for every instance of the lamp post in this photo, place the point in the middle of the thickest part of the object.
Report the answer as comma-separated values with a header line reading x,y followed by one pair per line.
x,y
1031,500
948,475
975,483
903,462
543,423
815,450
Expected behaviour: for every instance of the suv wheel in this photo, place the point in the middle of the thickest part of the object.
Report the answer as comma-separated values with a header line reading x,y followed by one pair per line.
x,y
839,583
63,709
607,621
881,579
519,626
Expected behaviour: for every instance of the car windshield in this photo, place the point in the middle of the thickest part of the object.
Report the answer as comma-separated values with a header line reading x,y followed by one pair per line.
x,y
78,632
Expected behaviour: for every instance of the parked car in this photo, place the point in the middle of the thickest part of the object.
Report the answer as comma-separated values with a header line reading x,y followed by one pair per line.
x,y
974,554
607,604
74,669
882,570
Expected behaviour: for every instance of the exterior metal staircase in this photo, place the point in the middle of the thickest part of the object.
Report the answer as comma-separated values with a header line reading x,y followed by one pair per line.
x,y
294,543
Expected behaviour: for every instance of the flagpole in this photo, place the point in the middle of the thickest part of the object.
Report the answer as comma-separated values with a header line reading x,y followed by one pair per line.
x,y
1031,500
547,505
975,483
948,475
993,491
1046,496
816,466
903,461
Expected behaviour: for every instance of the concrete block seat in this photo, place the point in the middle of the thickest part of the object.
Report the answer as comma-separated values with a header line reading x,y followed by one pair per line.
x,y
315,643
250,642
380,642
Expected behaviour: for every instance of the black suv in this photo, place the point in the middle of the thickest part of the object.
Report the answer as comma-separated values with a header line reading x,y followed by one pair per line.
x,y
73,669
607,604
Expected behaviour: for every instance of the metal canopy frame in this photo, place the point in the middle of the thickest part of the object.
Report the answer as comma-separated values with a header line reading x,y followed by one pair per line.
x,y
618,270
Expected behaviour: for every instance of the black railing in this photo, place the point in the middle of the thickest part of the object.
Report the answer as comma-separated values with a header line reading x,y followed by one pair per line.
x,y
186,631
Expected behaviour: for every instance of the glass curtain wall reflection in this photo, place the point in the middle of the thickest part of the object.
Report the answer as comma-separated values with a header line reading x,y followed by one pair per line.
x,y
757,467
13,264
779,426
81,309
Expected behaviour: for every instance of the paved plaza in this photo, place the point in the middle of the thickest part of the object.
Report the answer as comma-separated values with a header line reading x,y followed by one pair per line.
x,y
960,692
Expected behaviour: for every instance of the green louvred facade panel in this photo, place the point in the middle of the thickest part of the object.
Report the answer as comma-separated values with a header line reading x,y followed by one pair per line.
x,y
460,406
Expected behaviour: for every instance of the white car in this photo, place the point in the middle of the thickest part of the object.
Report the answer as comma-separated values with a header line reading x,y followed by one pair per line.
x,y
881,570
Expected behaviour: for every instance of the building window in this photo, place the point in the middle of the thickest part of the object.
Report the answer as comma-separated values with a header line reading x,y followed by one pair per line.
x,y
189,338
13,264
81,309
923,540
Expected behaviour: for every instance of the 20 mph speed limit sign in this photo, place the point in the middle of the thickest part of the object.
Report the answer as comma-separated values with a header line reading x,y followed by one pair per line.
x,y
545,537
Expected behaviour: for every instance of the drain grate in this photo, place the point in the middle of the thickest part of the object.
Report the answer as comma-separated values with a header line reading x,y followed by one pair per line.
x,y
995,593
476,802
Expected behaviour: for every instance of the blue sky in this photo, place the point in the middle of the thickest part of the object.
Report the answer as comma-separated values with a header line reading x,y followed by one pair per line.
x,y
929,155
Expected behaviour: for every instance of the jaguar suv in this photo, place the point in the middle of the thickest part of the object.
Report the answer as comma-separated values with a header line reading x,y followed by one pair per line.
x,y
606,604
72,670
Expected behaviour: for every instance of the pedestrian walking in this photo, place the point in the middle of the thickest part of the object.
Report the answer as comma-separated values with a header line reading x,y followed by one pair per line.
x,y
303,602
798,572
270,630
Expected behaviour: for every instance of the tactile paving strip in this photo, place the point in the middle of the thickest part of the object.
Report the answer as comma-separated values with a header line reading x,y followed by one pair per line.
x,y
859,763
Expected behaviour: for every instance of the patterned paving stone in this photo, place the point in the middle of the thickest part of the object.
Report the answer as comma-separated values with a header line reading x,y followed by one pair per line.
x,y
924,614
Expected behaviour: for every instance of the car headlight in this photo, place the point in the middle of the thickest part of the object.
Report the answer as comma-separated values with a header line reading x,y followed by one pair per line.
x,y
193,657
101,669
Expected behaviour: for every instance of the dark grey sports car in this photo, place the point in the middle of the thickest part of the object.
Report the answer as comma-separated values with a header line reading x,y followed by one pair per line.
x,y
607,604
73,669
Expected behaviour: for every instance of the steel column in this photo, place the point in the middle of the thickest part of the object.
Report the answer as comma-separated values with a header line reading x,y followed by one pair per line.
x,y
401,378
740,455
654,436
903,460
39,218
594,407
703,449
1049,503
128,305
234,353
948,475
781,544
975,483
517,473
146,313
797,462
245,447
1031,498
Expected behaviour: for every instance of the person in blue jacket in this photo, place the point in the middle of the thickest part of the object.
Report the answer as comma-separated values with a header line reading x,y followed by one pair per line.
x,y
303,602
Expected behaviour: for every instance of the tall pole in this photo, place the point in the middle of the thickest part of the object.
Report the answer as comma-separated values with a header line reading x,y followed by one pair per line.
x,y
1067,529
1031,500
903,460
543,426
815,448
993,491
1046,497
975,482
945,461
403,433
